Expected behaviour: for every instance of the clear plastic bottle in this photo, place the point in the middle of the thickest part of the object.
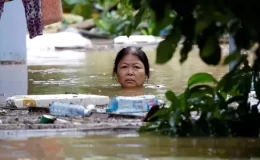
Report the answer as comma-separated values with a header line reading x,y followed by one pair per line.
x,y
64,109
137,105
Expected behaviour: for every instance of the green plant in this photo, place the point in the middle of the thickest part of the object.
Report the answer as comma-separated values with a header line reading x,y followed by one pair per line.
x,y
83,8
203,22
121,21
112,23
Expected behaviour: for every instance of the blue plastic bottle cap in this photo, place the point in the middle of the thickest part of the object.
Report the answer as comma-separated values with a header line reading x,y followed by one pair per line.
x,y
108,109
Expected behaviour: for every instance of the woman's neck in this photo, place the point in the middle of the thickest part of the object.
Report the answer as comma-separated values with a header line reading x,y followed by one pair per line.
x,y
132,91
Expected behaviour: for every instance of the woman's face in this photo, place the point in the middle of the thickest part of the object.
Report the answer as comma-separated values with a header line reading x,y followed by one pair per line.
x,y
131,72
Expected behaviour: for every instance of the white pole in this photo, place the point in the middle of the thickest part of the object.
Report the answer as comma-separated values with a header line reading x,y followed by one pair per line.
x,y
13,68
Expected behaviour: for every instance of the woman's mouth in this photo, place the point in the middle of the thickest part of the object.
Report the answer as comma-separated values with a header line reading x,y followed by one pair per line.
x,y
129,80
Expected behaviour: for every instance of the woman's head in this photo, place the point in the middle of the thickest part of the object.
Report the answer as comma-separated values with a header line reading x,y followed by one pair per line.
x,y
131,67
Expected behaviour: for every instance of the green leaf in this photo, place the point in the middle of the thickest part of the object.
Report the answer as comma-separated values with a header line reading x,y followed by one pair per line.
x,y
163,114
83,9
167,47
71,2
199,78
210,52
242,79
170,95
200,91
122,26
162,23
221,96
201,97
100,23
227,86
173,98
208,43
232,57
164,51
136,4
138,17
135,21
187,46
128,30
202,24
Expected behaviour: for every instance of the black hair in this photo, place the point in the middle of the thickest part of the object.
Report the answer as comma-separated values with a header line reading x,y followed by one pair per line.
x,y
136,51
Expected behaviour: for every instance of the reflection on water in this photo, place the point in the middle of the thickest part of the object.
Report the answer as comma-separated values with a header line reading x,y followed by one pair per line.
x,y
92,73
129,146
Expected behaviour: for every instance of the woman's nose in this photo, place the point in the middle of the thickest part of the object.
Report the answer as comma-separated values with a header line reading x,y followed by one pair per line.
x,y
130,71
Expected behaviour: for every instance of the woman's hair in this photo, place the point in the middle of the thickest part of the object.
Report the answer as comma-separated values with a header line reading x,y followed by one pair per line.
x,y
136,51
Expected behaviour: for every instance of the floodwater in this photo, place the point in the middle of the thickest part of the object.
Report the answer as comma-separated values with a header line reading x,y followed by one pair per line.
x,y
129,146
59,72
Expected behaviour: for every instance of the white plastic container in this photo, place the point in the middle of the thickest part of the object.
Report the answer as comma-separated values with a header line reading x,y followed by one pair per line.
x,y
44,101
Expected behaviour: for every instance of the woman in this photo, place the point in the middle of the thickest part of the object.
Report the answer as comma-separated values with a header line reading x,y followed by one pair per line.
x,y
131,68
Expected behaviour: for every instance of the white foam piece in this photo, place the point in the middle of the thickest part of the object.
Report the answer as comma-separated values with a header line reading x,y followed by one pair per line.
x,y
137,39
49,41
24,101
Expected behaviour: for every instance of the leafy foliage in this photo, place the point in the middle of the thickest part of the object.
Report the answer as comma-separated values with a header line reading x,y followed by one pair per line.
x,y
114,17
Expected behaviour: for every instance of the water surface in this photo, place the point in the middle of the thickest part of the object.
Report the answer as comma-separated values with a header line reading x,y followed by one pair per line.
x,y
59,72
79,72
129,146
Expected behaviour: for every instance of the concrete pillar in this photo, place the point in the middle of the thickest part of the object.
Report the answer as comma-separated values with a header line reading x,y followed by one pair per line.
x,y
13,68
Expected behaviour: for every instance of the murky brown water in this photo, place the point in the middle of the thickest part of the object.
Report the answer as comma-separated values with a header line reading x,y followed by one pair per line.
x,y
91,73
129,146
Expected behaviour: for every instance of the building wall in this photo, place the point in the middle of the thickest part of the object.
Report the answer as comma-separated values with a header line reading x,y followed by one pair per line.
x,y
13,68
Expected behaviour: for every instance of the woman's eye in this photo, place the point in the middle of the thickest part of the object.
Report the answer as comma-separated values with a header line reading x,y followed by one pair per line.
x,y
123,66
137,67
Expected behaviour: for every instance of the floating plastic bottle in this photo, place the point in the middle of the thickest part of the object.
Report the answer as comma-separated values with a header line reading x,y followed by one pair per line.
x,y
137,105
71,110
